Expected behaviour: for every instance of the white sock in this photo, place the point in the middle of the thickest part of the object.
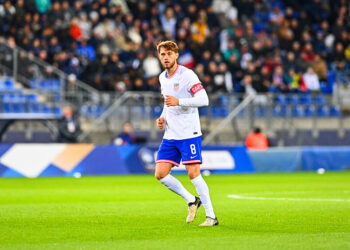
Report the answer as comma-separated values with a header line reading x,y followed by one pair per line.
x,y
203,191
175,185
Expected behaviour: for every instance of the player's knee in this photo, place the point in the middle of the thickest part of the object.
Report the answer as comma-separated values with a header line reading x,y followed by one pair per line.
x,y
193,173
160,175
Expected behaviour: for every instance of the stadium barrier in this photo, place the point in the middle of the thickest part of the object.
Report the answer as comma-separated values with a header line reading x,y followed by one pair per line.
x,y
35,160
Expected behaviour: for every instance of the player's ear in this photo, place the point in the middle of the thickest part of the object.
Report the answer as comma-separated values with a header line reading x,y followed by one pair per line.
x,y
177,55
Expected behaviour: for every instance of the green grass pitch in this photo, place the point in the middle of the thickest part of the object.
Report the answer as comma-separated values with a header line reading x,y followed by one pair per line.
x,y
268,211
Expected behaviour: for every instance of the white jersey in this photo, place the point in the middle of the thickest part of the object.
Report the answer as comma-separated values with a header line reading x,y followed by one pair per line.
x,y
182,122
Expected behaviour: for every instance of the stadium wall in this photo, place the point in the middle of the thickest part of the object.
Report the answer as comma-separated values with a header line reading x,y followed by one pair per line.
x,y
35,160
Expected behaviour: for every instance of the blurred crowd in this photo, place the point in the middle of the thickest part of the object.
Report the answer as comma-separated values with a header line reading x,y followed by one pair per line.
x,y
233,46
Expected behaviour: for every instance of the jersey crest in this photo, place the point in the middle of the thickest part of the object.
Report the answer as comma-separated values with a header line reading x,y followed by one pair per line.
x,y
176,86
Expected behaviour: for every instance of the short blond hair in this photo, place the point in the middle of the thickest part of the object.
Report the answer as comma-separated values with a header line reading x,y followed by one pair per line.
x,y
168,45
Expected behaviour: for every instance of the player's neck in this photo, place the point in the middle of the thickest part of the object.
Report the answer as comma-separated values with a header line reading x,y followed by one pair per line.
x,y
172,70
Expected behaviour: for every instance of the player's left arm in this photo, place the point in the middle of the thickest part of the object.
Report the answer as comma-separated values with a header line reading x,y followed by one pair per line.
x,y
199,95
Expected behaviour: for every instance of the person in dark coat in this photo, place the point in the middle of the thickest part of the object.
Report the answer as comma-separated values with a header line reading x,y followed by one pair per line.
x,y
69,127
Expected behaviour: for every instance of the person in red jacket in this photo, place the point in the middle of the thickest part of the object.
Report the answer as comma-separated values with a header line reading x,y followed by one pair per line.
x,y
257,140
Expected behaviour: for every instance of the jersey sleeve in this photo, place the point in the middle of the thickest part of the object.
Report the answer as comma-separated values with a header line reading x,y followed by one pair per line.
x,y
193,83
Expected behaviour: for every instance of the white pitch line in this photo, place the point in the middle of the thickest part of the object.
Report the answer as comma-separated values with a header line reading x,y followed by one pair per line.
x,y
240,197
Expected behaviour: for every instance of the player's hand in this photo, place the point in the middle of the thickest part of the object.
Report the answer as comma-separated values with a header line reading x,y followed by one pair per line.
x,y
171,101
160,122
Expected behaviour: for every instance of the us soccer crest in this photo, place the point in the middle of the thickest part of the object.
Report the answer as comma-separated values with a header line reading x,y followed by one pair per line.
x,y
176,86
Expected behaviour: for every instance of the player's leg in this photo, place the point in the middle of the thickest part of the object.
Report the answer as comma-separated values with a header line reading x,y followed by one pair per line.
x,y
163,175
193,171
192,158
167,157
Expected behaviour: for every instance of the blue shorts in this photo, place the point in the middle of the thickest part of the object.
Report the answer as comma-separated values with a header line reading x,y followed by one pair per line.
x,y
187,150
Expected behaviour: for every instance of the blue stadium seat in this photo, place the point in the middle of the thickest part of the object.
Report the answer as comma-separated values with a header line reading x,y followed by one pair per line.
x,y
19,108
14,98
309,110
331,77
281,99
32,98
306,99
224,100
6,108
203,111
34,107
47,85
320,100
9,84
280,110
294,99
217,111
298,111
260,111
323,111
326,88
335,111
57,111
46,109
34,83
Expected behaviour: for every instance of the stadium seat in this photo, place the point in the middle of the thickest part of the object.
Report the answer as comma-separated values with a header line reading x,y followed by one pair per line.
x,y
309,110
32,98
320,100
326,88
294,99
9,84
335,111
280,110
224,100
19,108
219,112
260,111
298,111
323,111
306,99
6,108
281,99
203,111
56,110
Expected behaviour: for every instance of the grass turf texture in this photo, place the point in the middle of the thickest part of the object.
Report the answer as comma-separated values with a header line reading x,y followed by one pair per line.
x,y
137,212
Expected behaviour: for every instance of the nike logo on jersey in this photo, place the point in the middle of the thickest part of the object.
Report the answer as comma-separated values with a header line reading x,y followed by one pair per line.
x,y
193,156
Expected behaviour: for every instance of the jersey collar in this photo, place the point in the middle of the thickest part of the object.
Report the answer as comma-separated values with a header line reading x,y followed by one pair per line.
x,y
166,73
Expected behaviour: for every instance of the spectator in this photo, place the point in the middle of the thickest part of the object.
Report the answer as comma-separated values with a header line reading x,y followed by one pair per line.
x,y
200,30
168,20
257,140
277,80
151,66
86,50
68,127
264,33
231,50
320,68
126,137
339,63
311,80
43,5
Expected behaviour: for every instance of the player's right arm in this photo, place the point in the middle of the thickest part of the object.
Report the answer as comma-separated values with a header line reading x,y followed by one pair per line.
x,y
161,119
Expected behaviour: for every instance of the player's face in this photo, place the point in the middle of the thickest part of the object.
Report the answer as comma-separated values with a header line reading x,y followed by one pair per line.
x,y
167,58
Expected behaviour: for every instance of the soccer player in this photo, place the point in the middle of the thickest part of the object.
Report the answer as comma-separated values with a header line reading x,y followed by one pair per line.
x,y
183,94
